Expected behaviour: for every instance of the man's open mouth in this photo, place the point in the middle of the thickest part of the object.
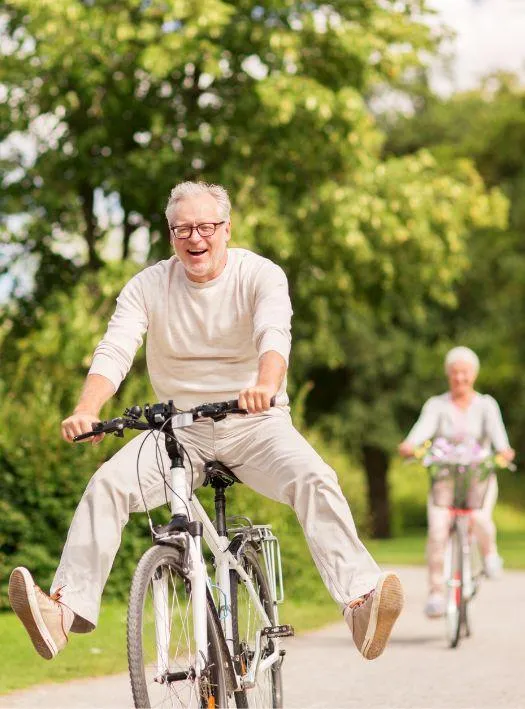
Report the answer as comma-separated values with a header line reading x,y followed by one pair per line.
x,y
196,252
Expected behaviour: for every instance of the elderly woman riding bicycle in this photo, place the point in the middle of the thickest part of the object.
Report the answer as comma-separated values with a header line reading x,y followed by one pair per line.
x,y
458,415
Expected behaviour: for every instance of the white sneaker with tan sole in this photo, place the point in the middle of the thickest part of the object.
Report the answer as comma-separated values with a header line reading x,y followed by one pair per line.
x,y
46,620
372,617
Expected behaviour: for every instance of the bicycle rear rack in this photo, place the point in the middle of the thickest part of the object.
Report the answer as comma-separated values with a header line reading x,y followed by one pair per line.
x,y
262,535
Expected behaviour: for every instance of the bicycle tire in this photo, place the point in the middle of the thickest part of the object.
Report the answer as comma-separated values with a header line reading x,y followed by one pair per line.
x,y
268,691
163,564
455,604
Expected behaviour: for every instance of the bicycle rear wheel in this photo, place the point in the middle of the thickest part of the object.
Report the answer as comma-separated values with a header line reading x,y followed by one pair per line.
x,y
160,614
267,692
455,610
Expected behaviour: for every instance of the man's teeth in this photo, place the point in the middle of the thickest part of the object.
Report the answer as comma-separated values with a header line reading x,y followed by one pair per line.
x,y
198,253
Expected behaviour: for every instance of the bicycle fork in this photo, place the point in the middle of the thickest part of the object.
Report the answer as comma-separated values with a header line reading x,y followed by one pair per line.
x,y
191,532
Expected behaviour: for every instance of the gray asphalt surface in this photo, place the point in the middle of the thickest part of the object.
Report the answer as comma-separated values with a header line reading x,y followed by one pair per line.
x,y
417,671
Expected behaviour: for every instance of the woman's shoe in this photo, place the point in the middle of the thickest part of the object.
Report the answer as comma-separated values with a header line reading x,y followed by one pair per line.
x,y
435,605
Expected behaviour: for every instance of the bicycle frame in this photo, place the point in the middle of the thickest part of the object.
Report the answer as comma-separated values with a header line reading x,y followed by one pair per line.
x,y
462,521
197,572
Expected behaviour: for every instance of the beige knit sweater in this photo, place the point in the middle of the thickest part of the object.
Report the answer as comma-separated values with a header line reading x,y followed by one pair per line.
x,y
204,340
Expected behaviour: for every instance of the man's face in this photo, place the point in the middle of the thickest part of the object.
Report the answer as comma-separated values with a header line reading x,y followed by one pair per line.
x,y
461,377
203,257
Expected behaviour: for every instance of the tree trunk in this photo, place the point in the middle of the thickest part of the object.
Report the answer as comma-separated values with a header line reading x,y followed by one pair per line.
x,y
376,463
90,235
128,231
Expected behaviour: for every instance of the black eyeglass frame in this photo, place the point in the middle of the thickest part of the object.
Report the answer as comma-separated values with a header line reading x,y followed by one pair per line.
x,y
173,230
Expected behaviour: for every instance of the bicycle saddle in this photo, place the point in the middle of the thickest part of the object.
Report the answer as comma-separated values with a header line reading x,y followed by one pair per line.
x,y
218,474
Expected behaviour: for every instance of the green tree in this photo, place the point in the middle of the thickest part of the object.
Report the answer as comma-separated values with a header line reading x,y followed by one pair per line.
x,y
385,267
123,98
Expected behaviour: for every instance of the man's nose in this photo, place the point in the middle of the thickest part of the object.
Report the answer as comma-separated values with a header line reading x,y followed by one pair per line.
x,y
195,236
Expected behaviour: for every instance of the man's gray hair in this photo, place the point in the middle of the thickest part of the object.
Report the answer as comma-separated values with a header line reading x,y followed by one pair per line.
x,y
462,354
193,189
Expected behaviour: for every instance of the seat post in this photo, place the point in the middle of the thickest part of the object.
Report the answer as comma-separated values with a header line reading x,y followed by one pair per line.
x,y
220,507
219,477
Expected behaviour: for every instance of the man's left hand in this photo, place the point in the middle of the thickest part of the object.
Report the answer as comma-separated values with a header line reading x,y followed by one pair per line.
x,y
256,399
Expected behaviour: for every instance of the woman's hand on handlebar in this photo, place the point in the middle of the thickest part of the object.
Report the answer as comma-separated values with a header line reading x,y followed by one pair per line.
x,y
78,423
508,454
406,449
256,399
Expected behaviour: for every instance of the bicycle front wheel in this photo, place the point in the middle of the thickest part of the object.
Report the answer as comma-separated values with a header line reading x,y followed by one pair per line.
x,y
267,692
455,604
161,644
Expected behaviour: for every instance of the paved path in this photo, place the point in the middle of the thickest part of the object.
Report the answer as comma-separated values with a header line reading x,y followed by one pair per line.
x,y
323,670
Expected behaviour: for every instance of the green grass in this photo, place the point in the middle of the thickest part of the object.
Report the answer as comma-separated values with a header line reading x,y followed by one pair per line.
x,y
410,549
103,652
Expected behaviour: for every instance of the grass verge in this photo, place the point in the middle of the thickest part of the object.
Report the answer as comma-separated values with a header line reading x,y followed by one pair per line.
x,y
104,651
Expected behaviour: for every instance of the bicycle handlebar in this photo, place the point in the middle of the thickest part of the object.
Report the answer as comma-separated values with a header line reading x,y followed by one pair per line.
x,y
157,415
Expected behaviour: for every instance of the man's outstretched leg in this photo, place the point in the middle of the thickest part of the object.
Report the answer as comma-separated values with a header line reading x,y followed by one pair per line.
x,y
92,542
270,456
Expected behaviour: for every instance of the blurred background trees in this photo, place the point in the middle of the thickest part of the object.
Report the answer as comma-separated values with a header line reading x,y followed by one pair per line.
x,y
400,235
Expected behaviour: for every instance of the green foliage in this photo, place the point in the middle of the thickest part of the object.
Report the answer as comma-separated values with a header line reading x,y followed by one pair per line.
x,y
487,126
40,377
124,98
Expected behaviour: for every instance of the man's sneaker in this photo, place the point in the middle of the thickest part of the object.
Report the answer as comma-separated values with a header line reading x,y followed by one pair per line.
x,y
493,566
435,605
372,617
46,619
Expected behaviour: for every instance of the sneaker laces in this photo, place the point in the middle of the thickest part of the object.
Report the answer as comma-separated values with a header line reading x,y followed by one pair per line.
x,y
358,602
54,597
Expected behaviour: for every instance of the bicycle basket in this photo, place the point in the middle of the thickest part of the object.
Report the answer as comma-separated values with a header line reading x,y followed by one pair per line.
x,y
459,486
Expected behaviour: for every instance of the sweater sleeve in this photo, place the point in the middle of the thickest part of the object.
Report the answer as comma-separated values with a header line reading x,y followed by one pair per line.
x,y
495,428
426,427
114,354
272,312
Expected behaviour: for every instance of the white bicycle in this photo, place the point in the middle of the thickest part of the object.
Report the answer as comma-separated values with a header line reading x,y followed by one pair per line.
x,y
194,641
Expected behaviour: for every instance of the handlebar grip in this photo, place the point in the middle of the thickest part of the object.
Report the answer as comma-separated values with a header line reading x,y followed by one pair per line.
x,y
83,436
234,403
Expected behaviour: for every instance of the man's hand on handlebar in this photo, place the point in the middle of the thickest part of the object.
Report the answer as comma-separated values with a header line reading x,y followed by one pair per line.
x,y
256,399
78,423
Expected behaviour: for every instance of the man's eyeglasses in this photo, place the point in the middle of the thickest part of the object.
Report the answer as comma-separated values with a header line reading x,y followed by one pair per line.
x,y
205,229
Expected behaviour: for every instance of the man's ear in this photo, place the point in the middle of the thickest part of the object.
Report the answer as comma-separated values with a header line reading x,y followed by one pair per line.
x,y
228,229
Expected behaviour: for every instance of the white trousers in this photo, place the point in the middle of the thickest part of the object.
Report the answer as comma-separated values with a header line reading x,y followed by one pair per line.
x,y
267,454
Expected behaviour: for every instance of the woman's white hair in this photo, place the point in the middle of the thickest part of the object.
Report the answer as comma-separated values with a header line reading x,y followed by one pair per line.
x,y
193,189
462,354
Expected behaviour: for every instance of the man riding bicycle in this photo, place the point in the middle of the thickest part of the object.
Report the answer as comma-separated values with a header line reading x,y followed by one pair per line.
x,y
218,327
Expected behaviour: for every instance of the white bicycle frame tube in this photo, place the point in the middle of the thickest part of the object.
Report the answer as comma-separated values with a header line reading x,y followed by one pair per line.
x,y
179,493
468,586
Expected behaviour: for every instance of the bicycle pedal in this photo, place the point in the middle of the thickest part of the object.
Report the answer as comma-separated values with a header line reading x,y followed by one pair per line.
x,y
278,631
